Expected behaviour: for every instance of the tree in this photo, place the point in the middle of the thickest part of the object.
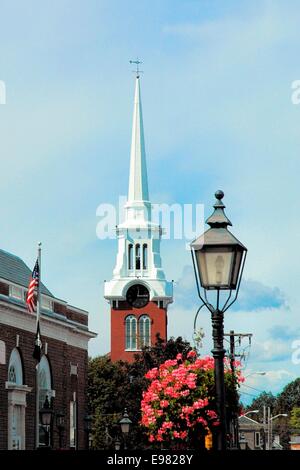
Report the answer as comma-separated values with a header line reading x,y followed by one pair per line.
x,y
287,400
179,406
289,397
266,399
295,419
114,386
161,352
105,379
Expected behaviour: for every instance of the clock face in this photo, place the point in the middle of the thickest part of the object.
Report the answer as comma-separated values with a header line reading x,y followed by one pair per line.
x,y
137,296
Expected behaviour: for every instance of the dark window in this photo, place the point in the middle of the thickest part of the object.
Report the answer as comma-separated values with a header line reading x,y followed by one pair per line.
x,y
130,256
137,257
145,256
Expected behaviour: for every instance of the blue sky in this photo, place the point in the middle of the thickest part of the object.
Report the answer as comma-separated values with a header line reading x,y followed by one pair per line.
x,y
216,93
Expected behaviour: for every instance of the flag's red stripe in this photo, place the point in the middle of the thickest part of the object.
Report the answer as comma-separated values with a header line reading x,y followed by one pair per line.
x,y
30,295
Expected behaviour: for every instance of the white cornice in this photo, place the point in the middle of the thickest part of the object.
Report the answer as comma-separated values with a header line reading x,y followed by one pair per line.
x,y
50,297
70,333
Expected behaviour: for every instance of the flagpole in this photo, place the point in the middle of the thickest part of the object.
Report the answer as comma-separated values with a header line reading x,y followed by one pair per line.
x,y
37,404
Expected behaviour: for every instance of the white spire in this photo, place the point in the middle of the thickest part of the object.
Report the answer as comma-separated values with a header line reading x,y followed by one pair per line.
x,y
138,180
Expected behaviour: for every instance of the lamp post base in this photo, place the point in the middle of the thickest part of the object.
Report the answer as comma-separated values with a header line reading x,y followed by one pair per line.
x,y
218,352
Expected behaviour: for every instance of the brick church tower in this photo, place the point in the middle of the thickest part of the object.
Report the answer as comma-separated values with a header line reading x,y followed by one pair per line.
x,y
138,293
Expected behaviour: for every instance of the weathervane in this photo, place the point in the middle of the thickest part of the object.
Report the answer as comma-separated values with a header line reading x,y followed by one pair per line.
x,y
137,62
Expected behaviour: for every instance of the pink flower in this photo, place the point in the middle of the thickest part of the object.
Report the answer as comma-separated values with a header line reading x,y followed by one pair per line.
x,y
187,409
216,423
211,414
152,373
202,421
164,403
170,363
167,425
200,404
191,353
178,391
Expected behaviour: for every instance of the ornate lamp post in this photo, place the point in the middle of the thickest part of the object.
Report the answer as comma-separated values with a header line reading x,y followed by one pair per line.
x,y
218,260
88,430
125,424
243,442
46,414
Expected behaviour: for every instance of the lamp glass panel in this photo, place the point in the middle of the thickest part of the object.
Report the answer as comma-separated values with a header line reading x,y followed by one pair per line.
x,y
46,418
237,267
215,267
125,428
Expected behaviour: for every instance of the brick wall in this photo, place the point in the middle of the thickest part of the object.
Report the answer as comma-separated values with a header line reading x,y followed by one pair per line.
x,y
158,318
70,314
78,317
4,288
60,356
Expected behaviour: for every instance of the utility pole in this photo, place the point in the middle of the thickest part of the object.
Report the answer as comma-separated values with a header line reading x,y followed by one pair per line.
x,y
232,356
269,431
266,442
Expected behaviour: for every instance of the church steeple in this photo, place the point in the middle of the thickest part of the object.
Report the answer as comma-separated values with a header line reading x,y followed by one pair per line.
x,y
139,293
138,179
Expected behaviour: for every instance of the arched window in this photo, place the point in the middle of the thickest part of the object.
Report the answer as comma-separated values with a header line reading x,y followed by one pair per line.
x,y
145,256
130,333
144,331
130,256
45,390
45,380
15,368
137,256
17,402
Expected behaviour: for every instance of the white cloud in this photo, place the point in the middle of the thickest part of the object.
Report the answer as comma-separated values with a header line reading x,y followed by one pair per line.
x,y
272,350
278,375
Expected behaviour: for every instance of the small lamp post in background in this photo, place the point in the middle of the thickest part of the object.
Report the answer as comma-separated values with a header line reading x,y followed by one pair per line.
x,y
60,424
249,412
270,428
88,429
125,424
46,414
255,373
243,442
218,260
117,444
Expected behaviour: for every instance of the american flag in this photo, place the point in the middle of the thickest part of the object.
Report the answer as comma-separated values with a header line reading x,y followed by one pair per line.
x,y
33,284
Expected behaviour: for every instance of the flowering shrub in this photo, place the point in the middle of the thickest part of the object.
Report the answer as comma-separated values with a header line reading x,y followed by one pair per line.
x,y
179,403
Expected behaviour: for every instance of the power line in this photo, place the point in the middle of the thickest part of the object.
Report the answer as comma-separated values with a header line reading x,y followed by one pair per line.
x,y
253,388
250,394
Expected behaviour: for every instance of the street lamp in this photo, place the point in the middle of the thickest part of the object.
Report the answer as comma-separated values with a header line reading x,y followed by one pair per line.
x,y
255,373
243,442
117,444
46,414
88,429
248,412
218,260
125,424
60,424
270,422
